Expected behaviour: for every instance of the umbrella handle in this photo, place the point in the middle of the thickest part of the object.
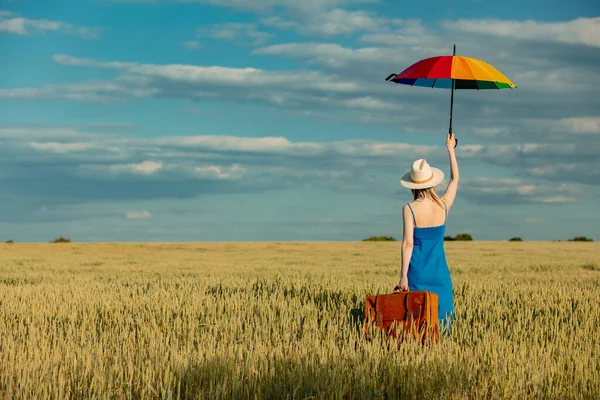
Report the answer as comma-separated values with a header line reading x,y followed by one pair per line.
x,y
455,138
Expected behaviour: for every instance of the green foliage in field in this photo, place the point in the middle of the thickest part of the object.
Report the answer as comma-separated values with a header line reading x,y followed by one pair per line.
x,y
61,240
277,320
515,239
379,239
591,267
460,236
464,236
580,239
9,241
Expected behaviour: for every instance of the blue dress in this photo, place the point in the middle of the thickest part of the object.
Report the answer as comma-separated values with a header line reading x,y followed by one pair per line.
x,y
428,269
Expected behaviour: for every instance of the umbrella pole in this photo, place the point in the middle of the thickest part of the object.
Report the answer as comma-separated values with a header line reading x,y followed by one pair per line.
x,y
451,105
452,96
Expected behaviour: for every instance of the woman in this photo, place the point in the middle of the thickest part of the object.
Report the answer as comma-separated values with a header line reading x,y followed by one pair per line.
x,y
424,264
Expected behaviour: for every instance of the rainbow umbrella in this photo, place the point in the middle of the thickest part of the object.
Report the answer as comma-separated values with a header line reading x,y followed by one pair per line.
x,y
452,72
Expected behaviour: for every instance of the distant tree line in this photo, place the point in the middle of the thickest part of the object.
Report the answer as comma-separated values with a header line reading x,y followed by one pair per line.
x,y
581,239
57,240
459,236
379,239
575,239
61,240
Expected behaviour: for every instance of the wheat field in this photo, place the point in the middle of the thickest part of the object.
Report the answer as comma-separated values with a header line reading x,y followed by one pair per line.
x,y
284,321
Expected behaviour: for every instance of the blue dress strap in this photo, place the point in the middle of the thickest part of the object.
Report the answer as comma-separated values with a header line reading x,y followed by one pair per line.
x,y
413,214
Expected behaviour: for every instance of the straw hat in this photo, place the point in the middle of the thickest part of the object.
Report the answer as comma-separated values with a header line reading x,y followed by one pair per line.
x,y
422,176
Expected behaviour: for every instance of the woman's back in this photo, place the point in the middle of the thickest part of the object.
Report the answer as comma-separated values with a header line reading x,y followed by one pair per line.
x,y
428,213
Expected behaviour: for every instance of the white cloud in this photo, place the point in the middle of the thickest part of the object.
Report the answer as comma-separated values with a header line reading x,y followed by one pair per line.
x,y
331,55
18,133
235,31
518,191
107,125
221,172
63,59
13,25
233,143
305,6
584,125
370,103
330,23
146,167
550,161
192,44
280,88
90,91
235,77
573,161
282,146
138,214
402,32
85,167
57,147
525,189
584,31
9,23
558,199
544,131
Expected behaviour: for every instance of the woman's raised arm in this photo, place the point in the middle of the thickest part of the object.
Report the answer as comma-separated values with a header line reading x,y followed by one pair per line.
x,y
450,194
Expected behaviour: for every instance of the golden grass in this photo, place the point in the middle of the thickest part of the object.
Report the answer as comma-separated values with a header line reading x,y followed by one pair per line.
x,y
284,320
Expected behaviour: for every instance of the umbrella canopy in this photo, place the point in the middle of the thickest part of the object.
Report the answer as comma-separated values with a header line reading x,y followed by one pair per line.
x,y
452,72
467,72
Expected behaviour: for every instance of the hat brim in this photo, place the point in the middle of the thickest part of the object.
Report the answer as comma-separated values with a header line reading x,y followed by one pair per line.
x,y
438,177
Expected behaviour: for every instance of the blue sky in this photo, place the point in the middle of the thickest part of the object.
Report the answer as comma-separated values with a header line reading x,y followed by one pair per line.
x,y
251,120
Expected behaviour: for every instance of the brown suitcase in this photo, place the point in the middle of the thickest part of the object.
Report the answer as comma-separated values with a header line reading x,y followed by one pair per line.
x,y
401,313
